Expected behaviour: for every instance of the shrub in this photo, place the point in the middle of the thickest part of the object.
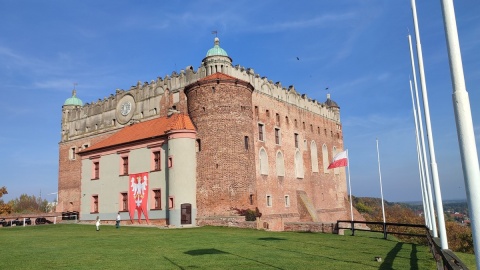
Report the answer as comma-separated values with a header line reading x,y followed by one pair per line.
x,y
250,215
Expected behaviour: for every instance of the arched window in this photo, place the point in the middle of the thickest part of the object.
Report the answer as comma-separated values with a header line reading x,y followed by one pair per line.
x,y
314,156
326,162
298,164
263,161
280,164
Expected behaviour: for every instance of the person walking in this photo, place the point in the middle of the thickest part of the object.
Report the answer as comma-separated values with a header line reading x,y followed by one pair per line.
x,y
97,223
117,224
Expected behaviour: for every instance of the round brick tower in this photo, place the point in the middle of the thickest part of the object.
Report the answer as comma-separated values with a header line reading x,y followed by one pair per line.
x,y
220,106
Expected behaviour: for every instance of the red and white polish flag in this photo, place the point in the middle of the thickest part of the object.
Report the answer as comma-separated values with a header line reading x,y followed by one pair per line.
x,y
340,160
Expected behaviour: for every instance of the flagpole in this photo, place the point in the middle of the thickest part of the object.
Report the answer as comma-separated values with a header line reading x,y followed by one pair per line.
x,y
426,210
381,188
433,163
427,183
350,187
463,117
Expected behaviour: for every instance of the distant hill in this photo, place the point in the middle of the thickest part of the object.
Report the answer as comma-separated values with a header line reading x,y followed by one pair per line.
x,y
444,202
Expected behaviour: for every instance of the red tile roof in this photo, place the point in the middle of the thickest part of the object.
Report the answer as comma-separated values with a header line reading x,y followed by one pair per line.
x,y
218,76
144,130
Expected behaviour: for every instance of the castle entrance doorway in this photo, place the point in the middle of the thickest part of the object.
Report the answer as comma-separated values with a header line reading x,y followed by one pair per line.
x,y
186,213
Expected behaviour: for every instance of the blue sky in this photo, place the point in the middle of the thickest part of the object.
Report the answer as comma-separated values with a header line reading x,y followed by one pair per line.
x,y
358,49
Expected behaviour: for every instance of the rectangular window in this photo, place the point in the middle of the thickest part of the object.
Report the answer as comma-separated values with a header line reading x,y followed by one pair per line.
x,y
170,202
95,204
170,162
124,196
251,199
73,154
277,136
246,140
277,118
96,170
260,132
269,200
256,111
157,199
267,112
287,201
303,124
156,161
125,165
296,140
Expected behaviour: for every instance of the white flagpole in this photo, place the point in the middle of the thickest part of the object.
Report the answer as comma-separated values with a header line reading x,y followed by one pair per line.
x,y
426,213
381,188
433,163
350,187
427,185
463,117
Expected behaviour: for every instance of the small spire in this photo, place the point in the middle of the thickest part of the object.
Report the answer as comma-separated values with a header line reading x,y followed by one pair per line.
x,y
74,92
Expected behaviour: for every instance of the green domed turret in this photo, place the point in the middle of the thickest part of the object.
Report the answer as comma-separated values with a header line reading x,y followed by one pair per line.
x,y
73,100
216,50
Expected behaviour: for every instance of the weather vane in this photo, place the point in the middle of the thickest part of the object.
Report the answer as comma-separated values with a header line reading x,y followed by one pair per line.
x,y
74,85
215,32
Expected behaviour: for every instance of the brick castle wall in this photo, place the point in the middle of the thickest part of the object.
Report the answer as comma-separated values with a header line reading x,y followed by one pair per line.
x,y
222,113
326,190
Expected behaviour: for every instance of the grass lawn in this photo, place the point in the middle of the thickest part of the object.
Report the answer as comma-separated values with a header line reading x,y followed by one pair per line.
x,y
74,246
467,259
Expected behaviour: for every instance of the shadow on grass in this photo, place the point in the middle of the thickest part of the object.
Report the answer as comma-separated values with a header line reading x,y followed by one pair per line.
x,y
413,257
388,262
271,238
172,262
313,255
197,252
214,251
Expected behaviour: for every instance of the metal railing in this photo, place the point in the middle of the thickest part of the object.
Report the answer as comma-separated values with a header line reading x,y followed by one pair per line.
x,y
445,258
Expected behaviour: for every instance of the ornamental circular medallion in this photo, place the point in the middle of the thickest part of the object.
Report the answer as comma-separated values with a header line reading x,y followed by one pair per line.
x,y
125,109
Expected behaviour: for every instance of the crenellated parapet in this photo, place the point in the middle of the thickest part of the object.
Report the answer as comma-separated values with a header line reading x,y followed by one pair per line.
x,y
153,99
285,94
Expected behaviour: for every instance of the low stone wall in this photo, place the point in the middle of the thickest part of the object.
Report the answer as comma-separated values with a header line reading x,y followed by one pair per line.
x,y
309,227
227,221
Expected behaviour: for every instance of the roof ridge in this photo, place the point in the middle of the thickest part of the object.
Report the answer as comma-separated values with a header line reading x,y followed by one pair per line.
x,y
145,130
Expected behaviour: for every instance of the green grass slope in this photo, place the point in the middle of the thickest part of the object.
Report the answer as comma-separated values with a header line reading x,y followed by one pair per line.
x,y
73,246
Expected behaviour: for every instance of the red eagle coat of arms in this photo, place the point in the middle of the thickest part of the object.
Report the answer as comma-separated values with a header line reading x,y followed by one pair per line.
x,y
138,196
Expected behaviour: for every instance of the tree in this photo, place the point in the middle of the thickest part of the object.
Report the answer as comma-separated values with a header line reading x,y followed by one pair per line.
x,y
4,208
29,204
459,237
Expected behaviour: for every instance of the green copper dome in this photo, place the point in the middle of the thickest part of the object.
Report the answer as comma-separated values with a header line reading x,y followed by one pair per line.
x,y
73,100
216,50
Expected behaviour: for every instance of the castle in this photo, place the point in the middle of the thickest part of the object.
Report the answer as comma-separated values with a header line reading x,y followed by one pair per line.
x,y
198,144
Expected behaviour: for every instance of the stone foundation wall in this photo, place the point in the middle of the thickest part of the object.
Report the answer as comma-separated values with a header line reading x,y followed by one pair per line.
x,y
227,221
309,227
